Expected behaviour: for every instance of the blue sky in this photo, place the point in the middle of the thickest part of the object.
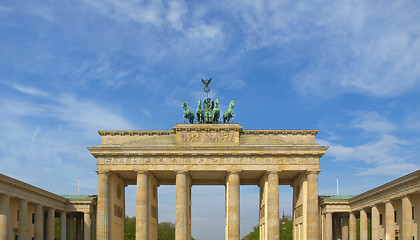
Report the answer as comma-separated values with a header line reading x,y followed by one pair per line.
x,y
348,68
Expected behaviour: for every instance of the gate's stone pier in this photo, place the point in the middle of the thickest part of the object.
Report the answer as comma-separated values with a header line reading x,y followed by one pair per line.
x,y
207,154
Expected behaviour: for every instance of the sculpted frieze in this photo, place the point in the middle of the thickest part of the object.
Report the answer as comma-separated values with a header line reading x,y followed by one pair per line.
x,y
202,160
207,137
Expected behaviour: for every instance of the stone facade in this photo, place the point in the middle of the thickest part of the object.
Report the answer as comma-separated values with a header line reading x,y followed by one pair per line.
x,y
393,210
209,154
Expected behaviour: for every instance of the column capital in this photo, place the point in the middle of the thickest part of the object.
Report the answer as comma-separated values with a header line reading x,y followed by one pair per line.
x,y
233,171
185,172
102,172
273,172
142,172
313,172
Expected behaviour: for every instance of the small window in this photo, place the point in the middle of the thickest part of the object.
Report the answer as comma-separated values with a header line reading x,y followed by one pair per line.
x,y
395,216
380,219
17,215
33,218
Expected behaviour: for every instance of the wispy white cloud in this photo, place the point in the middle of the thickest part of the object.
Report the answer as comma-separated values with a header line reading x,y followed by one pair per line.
x,y
372,122
387,155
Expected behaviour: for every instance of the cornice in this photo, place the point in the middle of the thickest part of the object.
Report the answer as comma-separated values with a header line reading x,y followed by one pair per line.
x,y
135,132
281,132
275,151
30,188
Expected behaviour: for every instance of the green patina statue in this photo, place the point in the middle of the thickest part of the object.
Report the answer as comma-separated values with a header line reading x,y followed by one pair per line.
x,y
210,113
188,114
229,113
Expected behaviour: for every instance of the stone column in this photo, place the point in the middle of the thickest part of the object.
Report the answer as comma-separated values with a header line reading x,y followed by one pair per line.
x,y
142,206
51,224
345,228
375,222
23,219
39,223
407,222
70,227
4,216
86,226
63,225
273,224
352,226
312,206
363,225
181,208
389,221
337,228
102,226
78,228
328,226
232,206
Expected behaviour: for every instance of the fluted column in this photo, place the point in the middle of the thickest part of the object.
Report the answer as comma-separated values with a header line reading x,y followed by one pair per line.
x,y
181,208
389,221
78,228
363,225
4,216
39,223
63,226
345,228
312,206
102,226
407,222
328,226
352,226
86,226
142,206
337,228
273,214
70,227
232,206
23,219
375,222
51,224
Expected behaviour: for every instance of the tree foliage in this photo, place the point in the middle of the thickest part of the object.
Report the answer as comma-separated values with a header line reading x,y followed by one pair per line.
x,y
286,230
166,230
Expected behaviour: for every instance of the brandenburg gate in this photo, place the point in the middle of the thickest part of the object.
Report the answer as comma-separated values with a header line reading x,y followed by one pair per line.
x,y
207,154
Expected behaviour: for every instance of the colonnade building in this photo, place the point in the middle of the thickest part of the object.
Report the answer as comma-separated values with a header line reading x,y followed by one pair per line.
x,y
391,211
29,213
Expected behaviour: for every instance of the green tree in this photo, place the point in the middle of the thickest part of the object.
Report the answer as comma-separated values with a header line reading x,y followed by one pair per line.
x,y
130,228
166,230
286,230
